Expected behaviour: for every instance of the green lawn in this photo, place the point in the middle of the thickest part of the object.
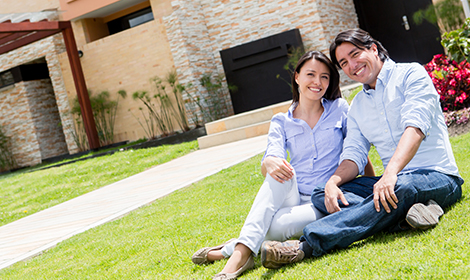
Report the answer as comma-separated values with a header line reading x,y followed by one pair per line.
x,y
23,193
157,241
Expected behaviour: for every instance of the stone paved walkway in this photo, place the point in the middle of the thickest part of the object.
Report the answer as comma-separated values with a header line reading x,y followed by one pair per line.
x,y
31,235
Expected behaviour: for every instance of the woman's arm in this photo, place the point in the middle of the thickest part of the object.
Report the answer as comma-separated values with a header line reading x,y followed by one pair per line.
x,y
278,168
369,169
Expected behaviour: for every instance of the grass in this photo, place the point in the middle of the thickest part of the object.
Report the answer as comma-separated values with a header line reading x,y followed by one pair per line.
x,y
24,193
157,241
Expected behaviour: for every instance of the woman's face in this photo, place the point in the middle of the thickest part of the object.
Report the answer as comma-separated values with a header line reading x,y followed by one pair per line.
x,y
313,80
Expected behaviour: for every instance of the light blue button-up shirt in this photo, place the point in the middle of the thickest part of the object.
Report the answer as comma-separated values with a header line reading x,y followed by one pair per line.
x,y
404,96
314,153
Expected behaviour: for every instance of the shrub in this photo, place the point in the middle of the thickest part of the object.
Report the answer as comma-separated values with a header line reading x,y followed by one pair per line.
x,y
457,42
452,82
104,115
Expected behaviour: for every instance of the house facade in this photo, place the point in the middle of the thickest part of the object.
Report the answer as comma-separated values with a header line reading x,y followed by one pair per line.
x,y
125,43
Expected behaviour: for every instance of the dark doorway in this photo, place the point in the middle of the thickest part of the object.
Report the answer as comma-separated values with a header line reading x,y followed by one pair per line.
x,y
256,69
391,23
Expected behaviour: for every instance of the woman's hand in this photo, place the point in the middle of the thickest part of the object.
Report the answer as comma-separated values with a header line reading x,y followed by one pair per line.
x,y
278,168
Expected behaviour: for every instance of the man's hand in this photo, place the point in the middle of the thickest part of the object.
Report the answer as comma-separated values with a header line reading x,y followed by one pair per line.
x,y
332,194
384,193
278,168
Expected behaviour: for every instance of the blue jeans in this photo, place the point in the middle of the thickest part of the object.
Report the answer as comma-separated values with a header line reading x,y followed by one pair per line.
x,y
360,220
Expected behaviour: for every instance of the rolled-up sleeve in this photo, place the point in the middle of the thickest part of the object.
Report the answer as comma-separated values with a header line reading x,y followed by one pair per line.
x,y
356,146
276,138
421,100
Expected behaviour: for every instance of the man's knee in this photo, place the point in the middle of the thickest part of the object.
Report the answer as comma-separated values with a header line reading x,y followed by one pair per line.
x,y
318,199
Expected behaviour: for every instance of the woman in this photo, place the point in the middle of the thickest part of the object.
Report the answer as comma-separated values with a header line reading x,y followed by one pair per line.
x,y
312,131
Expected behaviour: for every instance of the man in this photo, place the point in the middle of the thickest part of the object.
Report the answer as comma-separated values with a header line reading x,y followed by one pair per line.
x,y
398,112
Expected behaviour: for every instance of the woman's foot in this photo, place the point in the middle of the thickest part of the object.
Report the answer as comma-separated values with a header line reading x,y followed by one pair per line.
x,y
209,254
240,261
249,264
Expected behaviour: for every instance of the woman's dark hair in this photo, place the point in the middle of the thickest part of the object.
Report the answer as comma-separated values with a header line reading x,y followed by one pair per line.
x,y
359,38
333,90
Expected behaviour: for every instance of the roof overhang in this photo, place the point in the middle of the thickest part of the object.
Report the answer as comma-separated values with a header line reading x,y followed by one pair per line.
x,y
14,35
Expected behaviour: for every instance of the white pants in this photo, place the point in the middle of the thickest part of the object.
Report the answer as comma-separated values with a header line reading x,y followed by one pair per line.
x,y
278,213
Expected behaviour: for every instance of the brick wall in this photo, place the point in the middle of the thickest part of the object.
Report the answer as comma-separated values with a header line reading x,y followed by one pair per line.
x,y
124,61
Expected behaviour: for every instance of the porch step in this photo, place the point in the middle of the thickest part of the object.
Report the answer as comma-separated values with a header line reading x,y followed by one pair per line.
x,y
233,135
242,126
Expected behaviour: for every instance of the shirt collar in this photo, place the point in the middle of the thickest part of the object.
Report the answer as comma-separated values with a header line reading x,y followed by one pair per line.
x,y
384,74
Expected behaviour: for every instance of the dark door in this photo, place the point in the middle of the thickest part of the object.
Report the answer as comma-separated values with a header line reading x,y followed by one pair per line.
x,y
256,69
391,23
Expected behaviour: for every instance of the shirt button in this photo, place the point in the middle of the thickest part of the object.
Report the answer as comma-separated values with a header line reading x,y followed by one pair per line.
x,y
386,130
382,113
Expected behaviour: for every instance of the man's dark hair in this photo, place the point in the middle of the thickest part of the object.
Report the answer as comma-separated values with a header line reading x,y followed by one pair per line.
x,y
359,38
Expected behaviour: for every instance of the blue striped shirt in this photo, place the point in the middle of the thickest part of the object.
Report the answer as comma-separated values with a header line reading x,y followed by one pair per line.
x,y
404,96
314,153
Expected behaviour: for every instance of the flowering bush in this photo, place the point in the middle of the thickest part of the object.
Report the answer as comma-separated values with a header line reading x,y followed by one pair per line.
x,y
452,82
457,117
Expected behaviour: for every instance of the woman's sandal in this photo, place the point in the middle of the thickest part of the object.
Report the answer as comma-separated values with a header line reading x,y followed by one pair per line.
x,y
200,257
250,263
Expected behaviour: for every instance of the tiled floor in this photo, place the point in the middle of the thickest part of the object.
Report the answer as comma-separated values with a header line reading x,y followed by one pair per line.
x,y
31,235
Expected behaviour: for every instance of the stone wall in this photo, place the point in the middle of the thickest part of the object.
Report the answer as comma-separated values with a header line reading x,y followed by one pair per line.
x,y
46,118
47,49
30,117
17,123
198,30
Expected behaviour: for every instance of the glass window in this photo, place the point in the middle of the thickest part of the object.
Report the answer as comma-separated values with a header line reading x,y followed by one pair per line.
x,y
6,79
130,20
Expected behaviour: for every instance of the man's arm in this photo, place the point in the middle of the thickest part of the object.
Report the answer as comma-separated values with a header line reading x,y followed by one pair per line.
x,y
384,189
345,172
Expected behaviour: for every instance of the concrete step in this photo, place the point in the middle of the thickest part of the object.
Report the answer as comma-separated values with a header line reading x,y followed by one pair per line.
x,y
246,118
235,134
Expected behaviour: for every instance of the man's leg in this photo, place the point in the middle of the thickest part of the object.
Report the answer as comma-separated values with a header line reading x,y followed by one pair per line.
x,y
360,221
354,193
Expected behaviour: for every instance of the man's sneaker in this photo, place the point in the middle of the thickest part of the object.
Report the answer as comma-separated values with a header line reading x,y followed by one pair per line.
x,y
422,216
275,254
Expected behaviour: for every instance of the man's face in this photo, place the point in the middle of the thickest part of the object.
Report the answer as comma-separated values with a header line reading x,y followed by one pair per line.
x,y
360,65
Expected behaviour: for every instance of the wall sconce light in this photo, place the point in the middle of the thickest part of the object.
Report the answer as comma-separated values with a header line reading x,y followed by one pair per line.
x,y
80,53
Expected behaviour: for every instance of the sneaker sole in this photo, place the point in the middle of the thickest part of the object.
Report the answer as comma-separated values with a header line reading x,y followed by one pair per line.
x,y
423,217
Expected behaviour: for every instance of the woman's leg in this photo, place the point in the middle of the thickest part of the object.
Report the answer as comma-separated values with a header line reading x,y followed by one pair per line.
x,y
289,222
271,197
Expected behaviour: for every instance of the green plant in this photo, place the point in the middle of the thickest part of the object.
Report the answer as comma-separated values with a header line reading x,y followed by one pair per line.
x,y
448,14
177,89
104,115
457,42
152,120
79,135
7,160
213,105
160,109
293,56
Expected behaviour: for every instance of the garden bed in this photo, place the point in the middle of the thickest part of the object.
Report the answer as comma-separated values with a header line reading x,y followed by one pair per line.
x,y
187,136
458,129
